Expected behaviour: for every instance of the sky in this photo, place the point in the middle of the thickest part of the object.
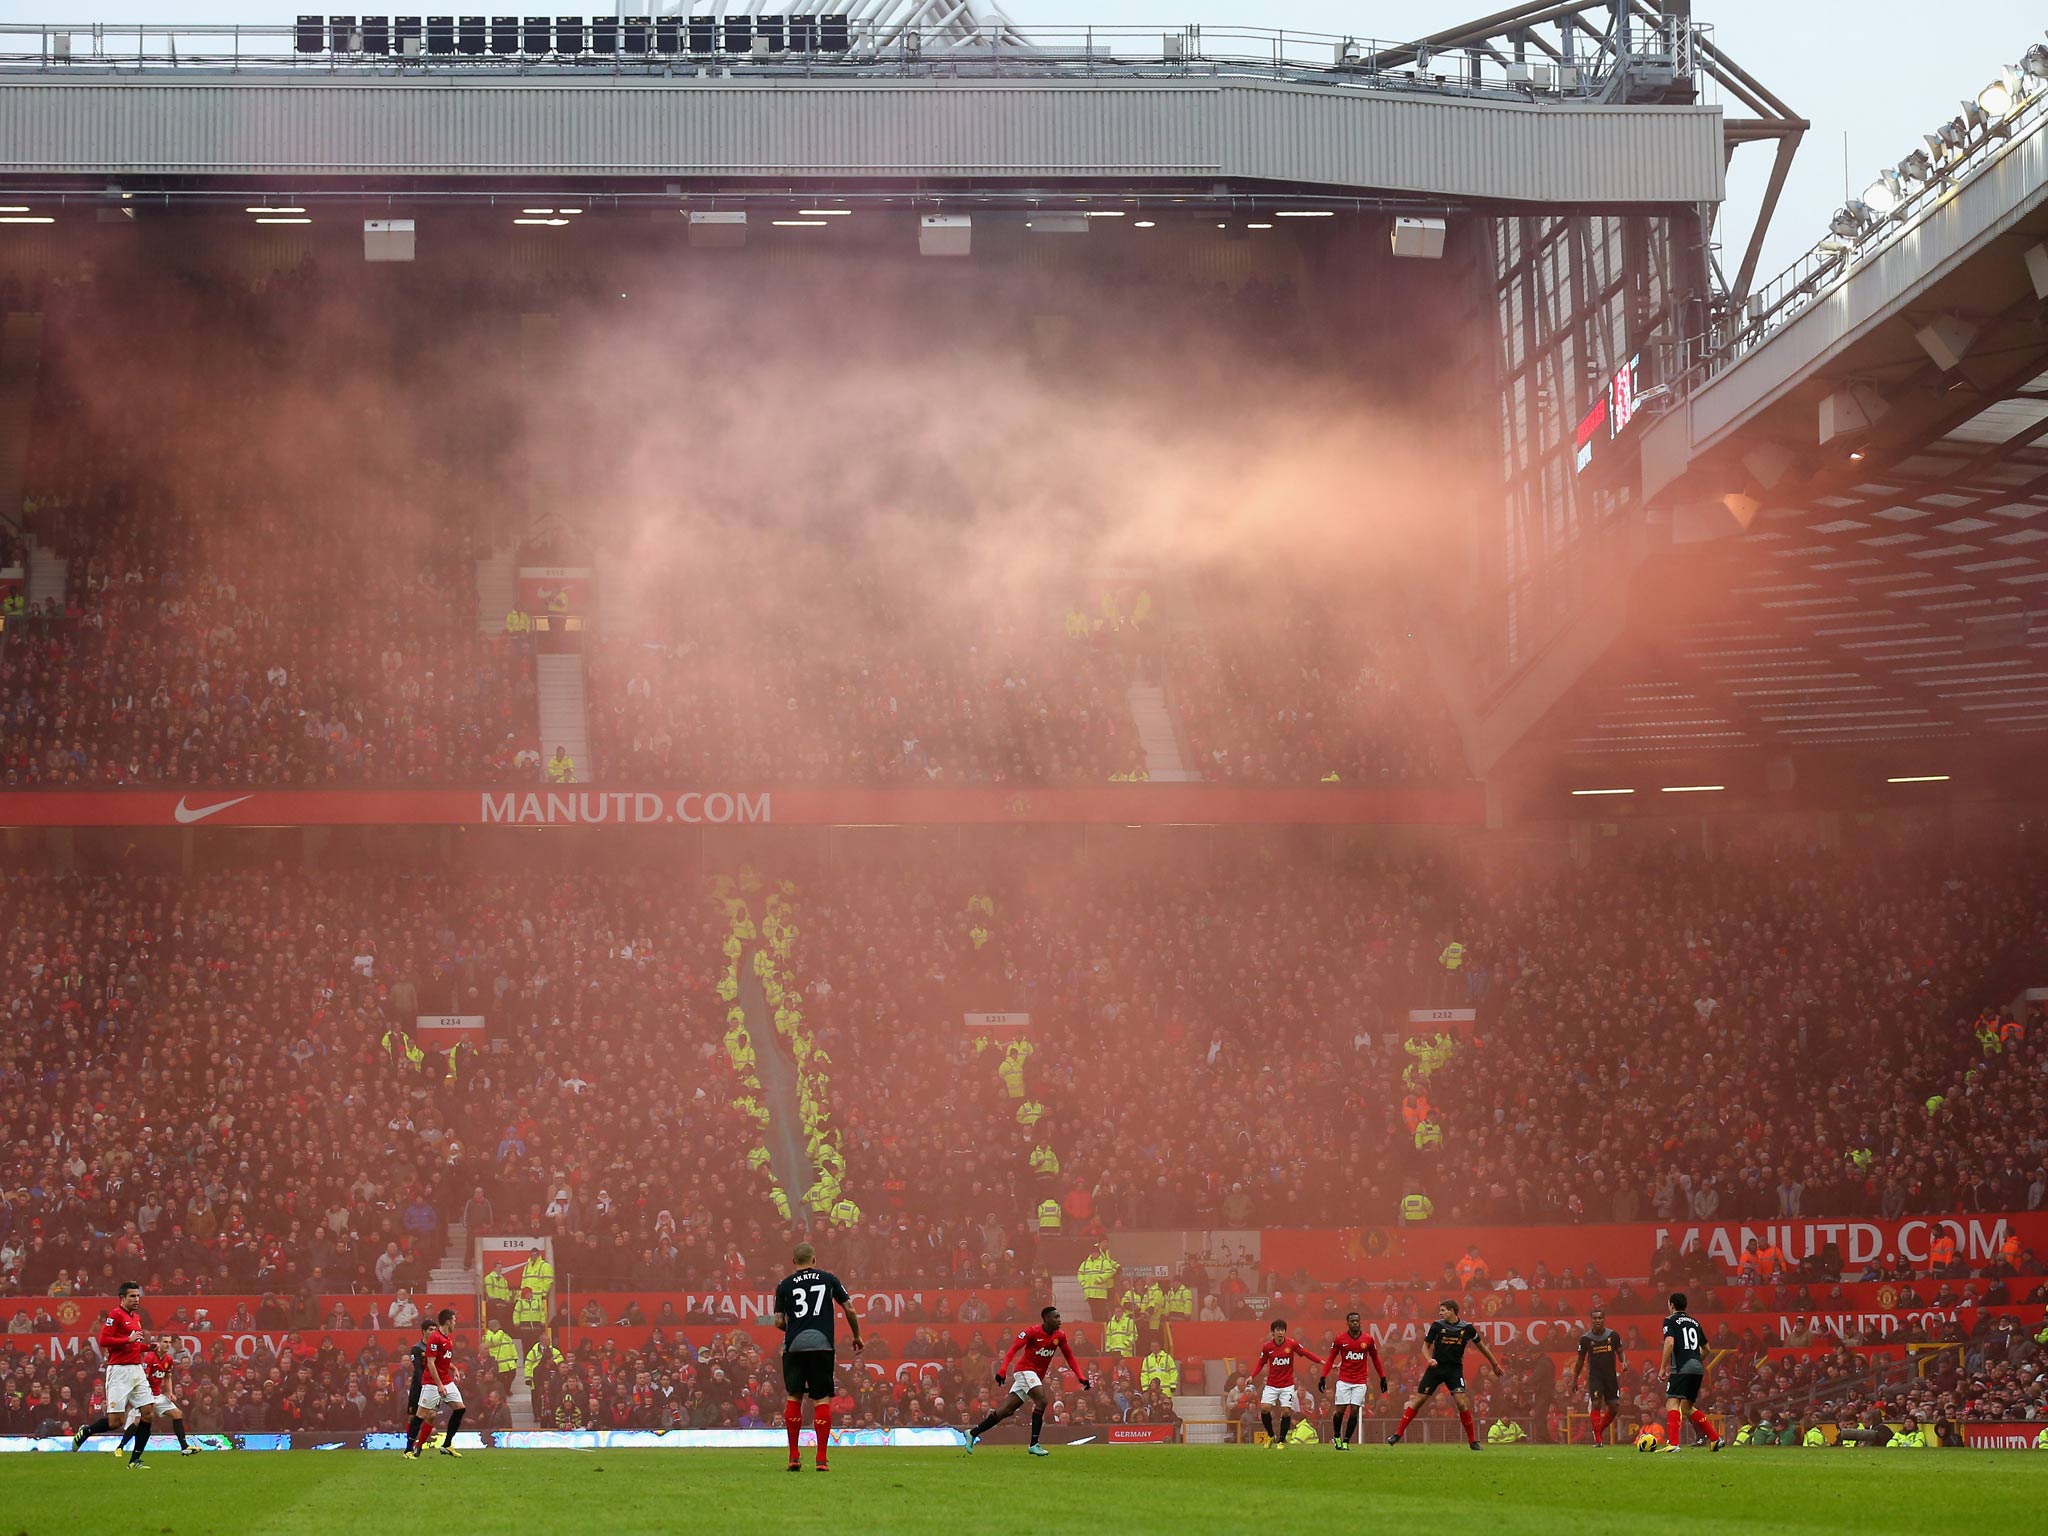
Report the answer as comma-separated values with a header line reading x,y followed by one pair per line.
x,y
1899,69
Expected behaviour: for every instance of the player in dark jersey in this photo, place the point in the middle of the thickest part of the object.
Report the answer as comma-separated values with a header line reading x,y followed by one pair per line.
x,y
1445,1345
1685,1372
803,1311
1353,1354
1600,1361
1036,1348
418,1355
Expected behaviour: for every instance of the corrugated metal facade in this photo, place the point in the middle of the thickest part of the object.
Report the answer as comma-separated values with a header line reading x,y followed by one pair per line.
x,y
1236,130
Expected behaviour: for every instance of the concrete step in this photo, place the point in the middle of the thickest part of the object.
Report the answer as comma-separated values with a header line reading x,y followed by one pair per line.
x,y
1073,1303
497,589
1157,737
564,720
1201,1416
47,575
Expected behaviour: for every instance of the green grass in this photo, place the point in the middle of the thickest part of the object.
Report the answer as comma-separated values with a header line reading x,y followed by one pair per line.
x,y
1107,1490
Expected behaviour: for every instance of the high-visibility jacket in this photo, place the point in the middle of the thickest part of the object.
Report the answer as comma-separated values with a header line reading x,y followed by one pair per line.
x,y
1814,1436
552,1355
1745,1435
1044,1160
1934,1104
530,1312
1428,1136
1470,1268
517,623
1414,1110
415,1055
1768,1260
1452,957
2041,1441
504,1352
1916,1441
1048,1215
1507,1432
844,1212
1159,1366
1097,1274
496,1286
539,1275
1152,1304
1180,1302
1942,1251
561,768
1861,1157
1303,1433
1120,1335
558,600
1416,1208
1029,1112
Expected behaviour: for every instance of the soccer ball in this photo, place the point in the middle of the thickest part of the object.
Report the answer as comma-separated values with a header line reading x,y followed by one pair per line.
x,y
1648,1441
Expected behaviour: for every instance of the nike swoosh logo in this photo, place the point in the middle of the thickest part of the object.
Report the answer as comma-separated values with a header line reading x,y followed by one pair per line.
x,y
186,816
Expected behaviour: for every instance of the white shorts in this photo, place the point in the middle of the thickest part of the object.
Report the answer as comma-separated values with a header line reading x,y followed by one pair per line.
x,y
162,1403
433,1398
1024,1383
127,1387
1284,1396
1351,1394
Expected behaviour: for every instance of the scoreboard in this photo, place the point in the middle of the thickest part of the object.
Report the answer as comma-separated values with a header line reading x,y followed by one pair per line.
x,y
1604,450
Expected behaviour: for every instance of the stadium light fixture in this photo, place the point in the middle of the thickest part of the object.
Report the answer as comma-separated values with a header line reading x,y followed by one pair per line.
x,y
1692,789
801,223
284,221
1999,97
2034,64
1917,167
1918,778
1849,220
824,213
26,218
544,223
14,208
1603,791
1144,224
259,208
1258,226
1306,213
1882,195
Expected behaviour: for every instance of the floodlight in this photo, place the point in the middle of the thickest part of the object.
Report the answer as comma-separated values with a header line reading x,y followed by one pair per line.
x,y
1997,98
2035,62
1849,220
1917,167
1882,195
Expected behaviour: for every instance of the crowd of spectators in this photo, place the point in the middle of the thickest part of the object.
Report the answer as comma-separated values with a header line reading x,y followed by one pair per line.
x,y
1288,686
851,685
1678,1040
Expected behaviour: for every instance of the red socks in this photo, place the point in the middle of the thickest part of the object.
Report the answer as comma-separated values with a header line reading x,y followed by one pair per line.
x,y
821,1420
1465,1418
1704,1425
1599,1425
1672,1429
1407,1418
792,1420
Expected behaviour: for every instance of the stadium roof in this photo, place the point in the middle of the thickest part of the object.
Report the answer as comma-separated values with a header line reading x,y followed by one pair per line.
x,y
1075,108
1882,427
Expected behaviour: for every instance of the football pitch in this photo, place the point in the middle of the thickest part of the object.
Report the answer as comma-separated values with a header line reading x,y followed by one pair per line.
x,y
1098,1489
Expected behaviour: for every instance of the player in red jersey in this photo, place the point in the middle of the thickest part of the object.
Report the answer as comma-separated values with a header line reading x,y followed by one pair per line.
x,y
156,1370
1037,1346
128,1393
1356,1354
1276,1360
437,1386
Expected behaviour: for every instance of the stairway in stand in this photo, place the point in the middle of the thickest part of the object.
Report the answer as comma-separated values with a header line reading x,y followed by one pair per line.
x,y
1164,763
564,721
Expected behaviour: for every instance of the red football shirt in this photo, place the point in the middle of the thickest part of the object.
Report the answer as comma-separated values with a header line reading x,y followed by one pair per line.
x,y
1277,1361
121,1337
1351,1356
156,1368
440,1359
1039,1349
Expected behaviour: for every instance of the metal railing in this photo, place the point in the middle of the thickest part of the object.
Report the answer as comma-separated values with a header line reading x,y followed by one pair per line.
x,y
1836,258
743,46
